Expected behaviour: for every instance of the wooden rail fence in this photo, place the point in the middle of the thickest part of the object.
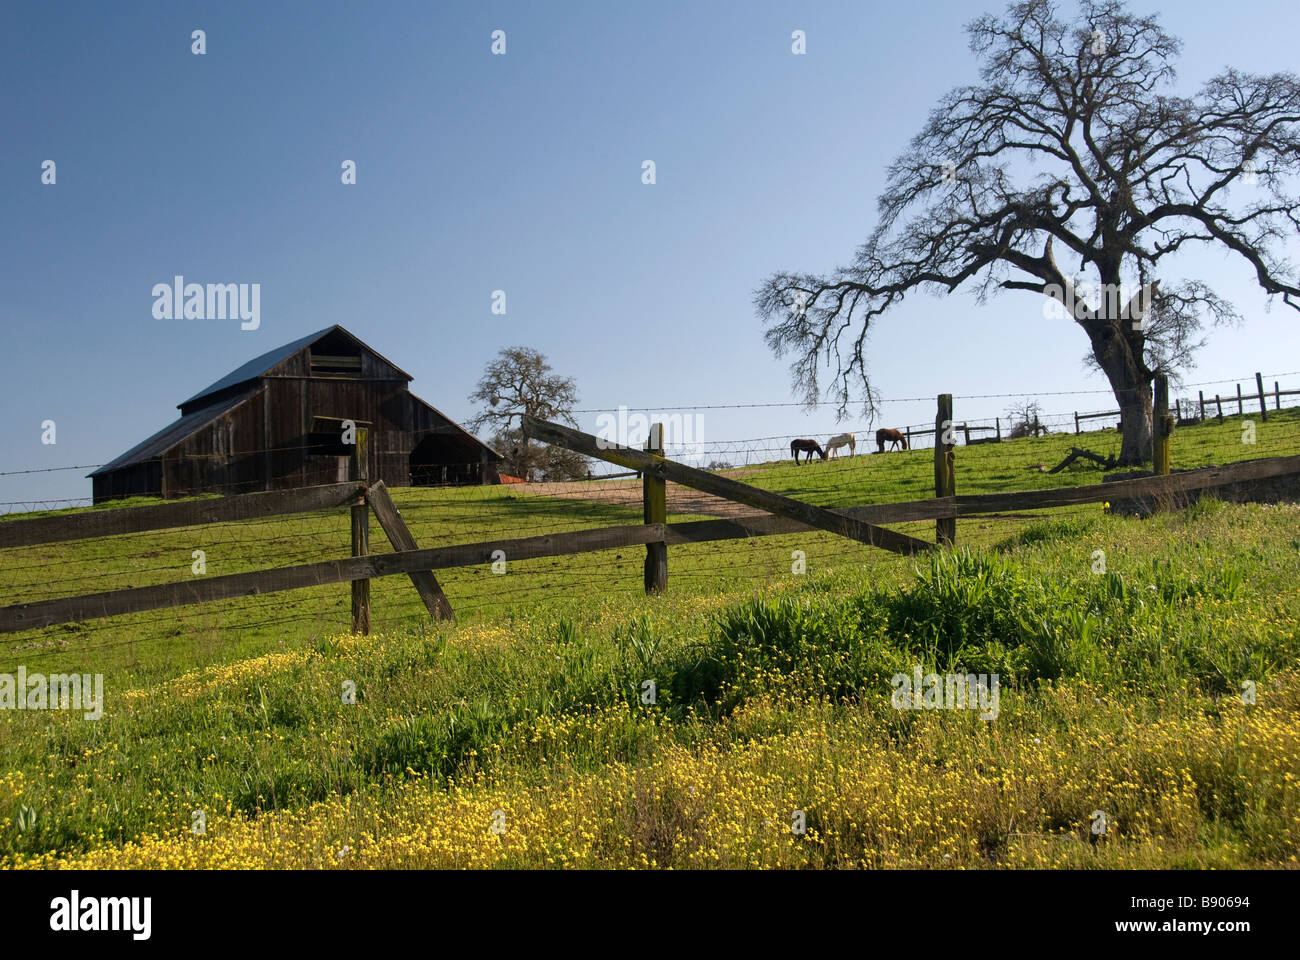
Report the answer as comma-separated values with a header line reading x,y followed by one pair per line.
x,y
1260,395
781,515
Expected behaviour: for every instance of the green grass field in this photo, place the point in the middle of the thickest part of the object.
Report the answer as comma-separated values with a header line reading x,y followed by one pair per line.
x,y
520,735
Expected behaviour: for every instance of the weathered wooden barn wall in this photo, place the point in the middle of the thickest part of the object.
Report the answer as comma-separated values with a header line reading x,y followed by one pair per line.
x,y
443,454
282,427
219,456
144,479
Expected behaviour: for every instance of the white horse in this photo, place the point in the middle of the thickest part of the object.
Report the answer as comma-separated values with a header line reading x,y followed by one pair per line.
x,y
842,440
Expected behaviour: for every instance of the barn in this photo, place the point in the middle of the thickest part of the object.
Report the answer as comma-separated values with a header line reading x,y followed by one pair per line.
x,y
277,422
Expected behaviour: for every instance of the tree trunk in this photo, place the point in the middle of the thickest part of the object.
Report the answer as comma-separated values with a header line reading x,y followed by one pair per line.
x,y
1118,350
1132,386
524,465
1137,417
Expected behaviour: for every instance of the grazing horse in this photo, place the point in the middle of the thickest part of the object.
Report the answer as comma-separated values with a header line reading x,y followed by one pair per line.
x,y
806,446
842,440
891,437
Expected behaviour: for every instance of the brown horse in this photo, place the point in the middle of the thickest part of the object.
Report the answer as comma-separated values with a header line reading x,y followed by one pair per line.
x,y
806,446
891,437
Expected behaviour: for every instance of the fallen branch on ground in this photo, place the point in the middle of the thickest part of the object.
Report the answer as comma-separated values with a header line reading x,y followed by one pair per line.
x,y
1106,463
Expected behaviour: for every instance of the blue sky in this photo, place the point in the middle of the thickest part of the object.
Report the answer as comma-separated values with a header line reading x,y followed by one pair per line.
x,y
519,172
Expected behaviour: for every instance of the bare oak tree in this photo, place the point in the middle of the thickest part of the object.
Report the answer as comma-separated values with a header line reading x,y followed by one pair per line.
x,y
1023,419
520,381
1073,145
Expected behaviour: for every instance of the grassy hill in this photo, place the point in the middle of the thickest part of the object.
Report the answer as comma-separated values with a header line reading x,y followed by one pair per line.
x,y
157,645
519,736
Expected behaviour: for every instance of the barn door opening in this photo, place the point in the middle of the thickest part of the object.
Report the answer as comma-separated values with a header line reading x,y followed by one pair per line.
x,y
442,459
327,452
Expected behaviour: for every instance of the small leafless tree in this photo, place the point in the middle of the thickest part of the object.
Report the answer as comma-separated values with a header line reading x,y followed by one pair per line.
x,y
1024,418
518,382
1073,143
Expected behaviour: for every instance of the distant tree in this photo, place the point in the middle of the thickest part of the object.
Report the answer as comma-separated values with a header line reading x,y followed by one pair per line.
x,y
1025,419
533,461
520,382
1072,145
719,465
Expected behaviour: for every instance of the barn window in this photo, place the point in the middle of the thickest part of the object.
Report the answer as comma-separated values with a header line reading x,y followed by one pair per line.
x,y
335,365
335,356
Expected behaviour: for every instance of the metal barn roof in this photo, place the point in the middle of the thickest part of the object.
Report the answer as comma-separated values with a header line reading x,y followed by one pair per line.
x,y
174,433
258,366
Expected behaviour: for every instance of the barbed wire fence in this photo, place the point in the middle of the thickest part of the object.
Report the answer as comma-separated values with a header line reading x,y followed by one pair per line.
x,y
450,515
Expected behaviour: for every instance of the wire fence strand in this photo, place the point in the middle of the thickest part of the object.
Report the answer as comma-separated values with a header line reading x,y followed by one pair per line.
x,y
448,515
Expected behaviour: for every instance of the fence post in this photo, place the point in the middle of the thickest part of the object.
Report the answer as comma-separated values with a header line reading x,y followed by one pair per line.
x,y
1263,404
1076,423
1162,427
391,522
1219,403
1240,410
359,469
945,479
965,429
1277,396
654,493
909,438
1201,394
998,422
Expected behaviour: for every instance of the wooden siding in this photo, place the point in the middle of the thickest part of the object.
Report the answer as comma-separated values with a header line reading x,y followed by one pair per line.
x,y
267,441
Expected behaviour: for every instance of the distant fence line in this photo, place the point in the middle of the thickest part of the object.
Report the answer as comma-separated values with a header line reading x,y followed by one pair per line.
x,y
1259,396
1040,424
